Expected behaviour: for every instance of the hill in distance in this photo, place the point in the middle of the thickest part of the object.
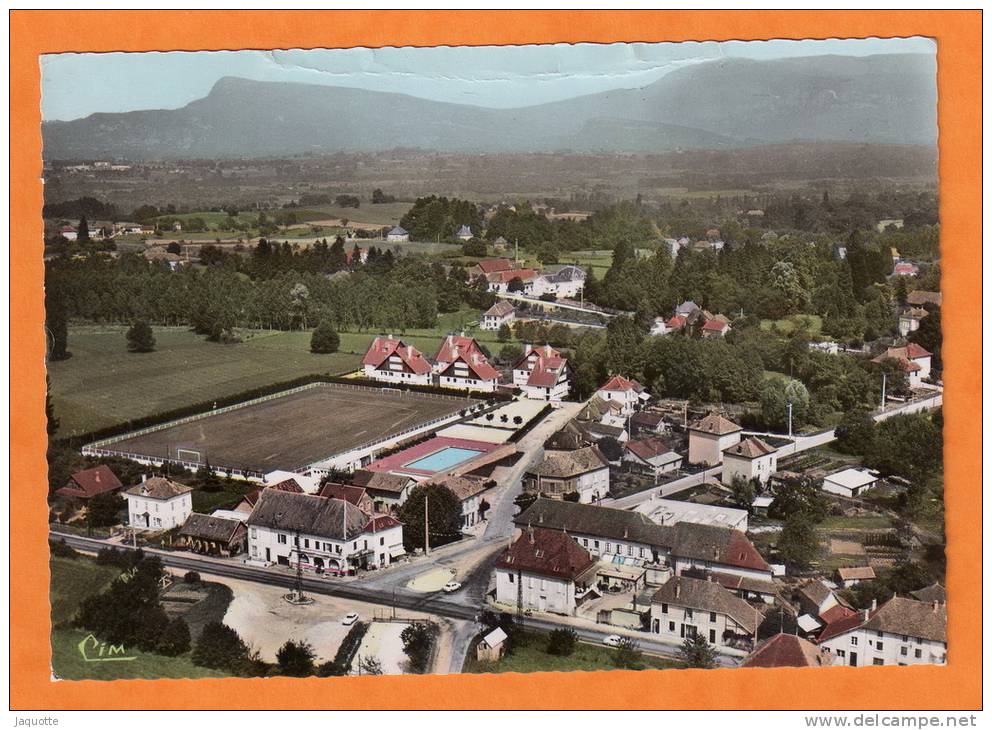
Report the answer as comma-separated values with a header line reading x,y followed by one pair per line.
x,y
729,103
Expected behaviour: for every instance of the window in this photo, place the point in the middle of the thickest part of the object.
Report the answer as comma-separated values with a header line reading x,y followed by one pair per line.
x,y
713,616
918,653
306,543
630,550
671,626
878,645
585,542
854,641
609,547
712,636
664,608
878,662
382,541
688,613
904,651
595,544
879,634
282,539
841,653
510,577
254,533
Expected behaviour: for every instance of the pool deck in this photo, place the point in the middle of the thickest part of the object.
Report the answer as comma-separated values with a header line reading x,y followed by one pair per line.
x,y
399,463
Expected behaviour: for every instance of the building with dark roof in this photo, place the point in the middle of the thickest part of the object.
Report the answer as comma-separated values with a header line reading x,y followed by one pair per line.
x,y
584,472
213,535
158,503
709,437
686,607
750,458
787,650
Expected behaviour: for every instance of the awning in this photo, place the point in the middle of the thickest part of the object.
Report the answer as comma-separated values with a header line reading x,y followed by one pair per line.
x,y
396,551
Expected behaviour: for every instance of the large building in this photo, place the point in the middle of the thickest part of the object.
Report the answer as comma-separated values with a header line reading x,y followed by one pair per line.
x,y
321,534
687,607
710,437
502,312
628,394
460,363
391,360
584,472
542,373
158,504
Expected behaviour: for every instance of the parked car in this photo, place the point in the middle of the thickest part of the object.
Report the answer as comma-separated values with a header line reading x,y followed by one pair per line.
x,y
452,586
612,640
350,618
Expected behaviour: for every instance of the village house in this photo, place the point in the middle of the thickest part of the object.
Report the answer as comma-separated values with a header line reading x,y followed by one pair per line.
x,y
247,503
321,534
901,632
491,647
909,320
749,459
464,234
469,491
629,394
920,297
820,608
398,235
213,535
600,410
388,491
499,281
68,233
391,360
565,281
647,423
710,437
935,592
502,312
584,472
158,504
850,482
905,268
914,359
83,485
357,496
686,607
460,363
652,456
542,570
490,266
542,373
687,309
851,576
714,548
718,326
787,650
281,477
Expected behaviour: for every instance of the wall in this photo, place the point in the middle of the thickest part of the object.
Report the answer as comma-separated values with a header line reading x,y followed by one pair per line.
x,y
539,593
866,648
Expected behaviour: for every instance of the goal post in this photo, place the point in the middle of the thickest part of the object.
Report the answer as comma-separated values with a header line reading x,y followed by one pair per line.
x,y
188,455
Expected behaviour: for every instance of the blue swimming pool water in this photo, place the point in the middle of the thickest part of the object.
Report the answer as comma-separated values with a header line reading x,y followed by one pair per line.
x,y
446,458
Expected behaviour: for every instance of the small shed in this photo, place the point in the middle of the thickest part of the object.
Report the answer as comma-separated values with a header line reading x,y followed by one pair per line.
x,y
852,576
492,646
850,482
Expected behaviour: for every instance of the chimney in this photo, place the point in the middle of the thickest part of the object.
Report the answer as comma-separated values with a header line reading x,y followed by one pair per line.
x,y
874,604
935,605
678,588
864,615
144,478
96,477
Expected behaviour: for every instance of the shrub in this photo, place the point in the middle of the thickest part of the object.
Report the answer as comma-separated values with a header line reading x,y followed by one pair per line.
x,y
324,339
296,659
561,642
219,647
175,639
418,640
191,577
341,664
59,549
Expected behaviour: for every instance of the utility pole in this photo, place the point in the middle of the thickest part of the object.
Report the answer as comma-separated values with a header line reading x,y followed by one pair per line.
x,y
427,529
883,390
790,419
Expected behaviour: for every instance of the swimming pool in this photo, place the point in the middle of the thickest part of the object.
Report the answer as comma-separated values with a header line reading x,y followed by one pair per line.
x,y
446,458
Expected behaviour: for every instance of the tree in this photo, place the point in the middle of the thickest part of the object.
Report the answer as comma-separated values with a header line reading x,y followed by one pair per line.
x,y
174,247
103,510
516,284
799,498
418,640
83,232
324,339
797,543
295,659
628,655
219,647
511,353
743,491
444,513
610,448
140,337
175,639
369,665
562,642
504,334
696,653
855,431
51,419
776,395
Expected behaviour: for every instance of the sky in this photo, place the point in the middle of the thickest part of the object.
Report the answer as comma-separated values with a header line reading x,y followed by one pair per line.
x,y
75,85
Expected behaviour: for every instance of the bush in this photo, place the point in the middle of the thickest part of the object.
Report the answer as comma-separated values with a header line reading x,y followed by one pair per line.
x,y
140,337
175,639
561,642
324,339
59,549
219,647
296,659
191,577
418,640
341,664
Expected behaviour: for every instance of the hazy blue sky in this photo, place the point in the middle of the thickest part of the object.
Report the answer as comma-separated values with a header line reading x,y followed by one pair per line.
x,y
76,85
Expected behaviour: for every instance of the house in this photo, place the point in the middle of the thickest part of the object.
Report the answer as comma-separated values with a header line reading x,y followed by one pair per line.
x,y
647,423
849,577
464,234
565,281
660,327
715,327
931,593
915,360
460,363
827,348
391,360
388,491
499,281
357,496
602,410
710,437
570,437
909,320
68,233
816,598
749,459
398,235
652,456
715,548
212,535
686,607
905,268
289,479
672,511
787,650
901,632
919,297
159,254
585,472
541,570
686,309
629,394
490,266
491,647
158,504
351,253
247,503
542,373
502,312
88,483
469,492
674,324
849,482
321,534
750,589
596,431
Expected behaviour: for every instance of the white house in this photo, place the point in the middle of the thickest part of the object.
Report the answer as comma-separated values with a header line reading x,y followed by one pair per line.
x,y
460,363
464,233
542,373
652,455
909,320
914,359
392,361
629,394
499,281
398,235
469,492
710,437
585,472
850,482
901,632
158,504
565,281
686,607
322,534
502,312
541,571
749,459
827,348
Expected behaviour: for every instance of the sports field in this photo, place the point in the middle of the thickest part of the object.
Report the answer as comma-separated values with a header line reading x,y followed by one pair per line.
x,y
293,430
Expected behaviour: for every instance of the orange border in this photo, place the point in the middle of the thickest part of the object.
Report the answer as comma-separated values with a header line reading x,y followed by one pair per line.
x,y
956,686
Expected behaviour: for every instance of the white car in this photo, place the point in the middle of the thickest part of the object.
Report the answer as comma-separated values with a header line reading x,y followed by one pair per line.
x,y
350,618
451,586
612,640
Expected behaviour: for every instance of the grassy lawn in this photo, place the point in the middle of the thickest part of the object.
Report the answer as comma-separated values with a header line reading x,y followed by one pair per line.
x,y
596,265
813,323
68,663
102,384
877,522
529,655
204,501
73,581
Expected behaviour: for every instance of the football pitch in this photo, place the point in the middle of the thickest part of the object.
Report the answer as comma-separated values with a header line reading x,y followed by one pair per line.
x,y
292,430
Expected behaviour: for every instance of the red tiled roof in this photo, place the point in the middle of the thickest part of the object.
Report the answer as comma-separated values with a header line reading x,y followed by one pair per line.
x,y
551,553
478,364
454,345
382,348
715,325
620,383
750,448
490,266
836,613
90,482
381,522
676,322
287,485
347,492
505,277
840,626
786,650
499,309
648,448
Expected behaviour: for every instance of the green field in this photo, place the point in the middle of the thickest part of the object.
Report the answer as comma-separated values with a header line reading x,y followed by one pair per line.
x,y
812,322
529,655
102,384
75,580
